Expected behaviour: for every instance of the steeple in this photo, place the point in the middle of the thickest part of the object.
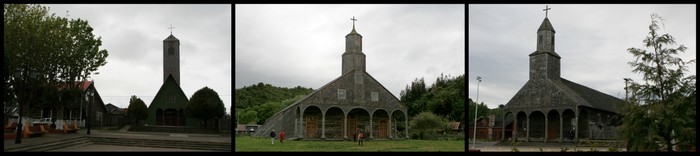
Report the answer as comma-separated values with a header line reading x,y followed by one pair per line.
x,y
545,37
353,58
545,62
171,58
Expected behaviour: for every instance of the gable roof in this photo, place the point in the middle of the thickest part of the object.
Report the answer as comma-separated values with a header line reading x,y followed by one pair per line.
x,y
170,81
593,98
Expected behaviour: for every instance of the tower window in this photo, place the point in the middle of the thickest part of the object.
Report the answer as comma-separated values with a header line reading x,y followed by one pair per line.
x,y
539,39
341,94
171,51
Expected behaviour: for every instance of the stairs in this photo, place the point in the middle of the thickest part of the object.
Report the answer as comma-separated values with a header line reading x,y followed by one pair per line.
x,y
174,129
78,141
195,145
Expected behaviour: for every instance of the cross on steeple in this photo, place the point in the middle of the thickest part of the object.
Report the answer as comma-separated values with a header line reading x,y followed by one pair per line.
x,y
353,22
171,29
546,9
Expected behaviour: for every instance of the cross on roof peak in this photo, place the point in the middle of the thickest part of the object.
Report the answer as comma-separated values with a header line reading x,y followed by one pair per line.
x,y
171,29
546,10
353,22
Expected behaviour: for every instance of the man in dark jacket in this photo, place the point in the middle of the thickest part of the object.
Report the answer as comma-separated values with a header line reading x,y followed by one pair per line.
x,y
272,135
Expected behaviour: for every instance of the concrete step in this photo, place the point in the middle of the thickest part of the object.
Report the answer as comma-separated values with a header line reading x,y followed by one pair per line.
x,y
50,145
215,146
174,129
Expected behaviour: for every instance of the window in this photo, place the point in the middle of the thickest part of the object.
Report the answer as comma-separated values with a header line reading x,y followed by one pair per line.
x,y
341,94
375,96
539,39
171,51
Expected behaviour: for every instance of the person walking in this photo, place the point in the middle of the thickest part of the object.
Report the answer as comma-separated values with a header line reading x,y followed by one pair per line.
x,y
354,136
272,135
281,136
360,137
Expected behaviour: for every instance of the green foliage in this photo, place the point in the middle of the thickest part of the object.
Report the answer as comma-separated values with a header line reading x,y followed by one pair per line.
x,y
483,112
255,95
137,109
445,97
427,122
662,108
60,50
205,104
249,117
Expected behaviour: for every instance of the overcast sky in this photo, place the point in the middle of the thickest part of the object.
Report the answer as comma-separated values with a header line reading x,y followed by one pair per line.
x,y
133,35
592,41
301,45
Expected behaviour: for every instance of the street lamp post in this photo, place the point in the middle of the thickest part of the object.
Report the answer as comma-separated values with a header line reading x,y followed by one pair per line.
x,y
476,109
21,74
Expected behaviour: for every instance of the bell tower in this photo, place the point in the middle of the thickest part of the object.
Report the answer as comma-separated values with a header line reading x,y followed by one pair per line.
x,y
545,63
353,58
171,57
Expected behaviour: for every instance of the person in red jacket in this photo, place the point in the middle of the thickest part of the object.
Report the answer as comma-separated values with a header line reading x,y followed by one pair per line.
x,y
361,137
281,136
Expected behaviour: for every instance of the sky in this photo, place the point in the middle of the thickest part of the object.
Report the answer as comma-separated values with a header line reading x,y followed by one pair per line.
x,y
302,45
592,41
133,36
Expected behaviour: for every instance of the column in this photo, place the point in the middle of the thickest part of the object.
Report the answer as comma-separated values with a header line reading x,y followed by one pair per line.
x,y
296,121
345,128
323,126
389,129
576,129
371,128
503,130
561,128
301,124
527,128
406,123
515,128
546,128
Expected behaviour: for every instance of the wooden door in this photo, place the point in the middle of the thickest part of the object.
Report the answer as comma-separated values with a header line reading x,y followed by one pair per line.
x,y
311,127
382,129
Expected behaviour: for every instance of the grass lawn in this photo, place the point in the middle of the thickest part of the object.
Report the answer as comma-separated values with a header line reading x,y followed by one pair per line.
x,y
249,144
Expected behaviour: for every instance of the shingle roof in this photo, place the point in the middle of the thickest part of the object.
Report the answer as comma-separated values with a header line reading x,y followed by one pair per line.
x,y
593,98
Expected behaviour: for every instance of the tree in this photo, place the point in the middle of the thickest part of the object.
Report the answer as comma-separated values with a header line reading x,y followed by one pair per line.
x,y
59,49
662,109
483,111
137,109
205,104
249,117
412,96
426,122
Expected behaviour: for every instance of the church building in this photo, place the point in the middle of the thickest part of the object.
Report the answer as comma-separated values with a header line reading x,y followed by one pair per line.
x,y
168,106
551,108
352,103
